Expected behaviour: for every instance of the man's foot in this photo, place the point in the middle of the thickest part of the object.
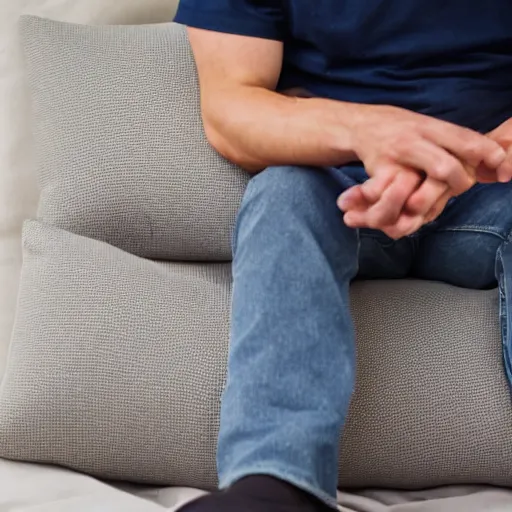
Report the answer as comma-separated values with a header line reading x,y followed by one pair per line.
x,y
258,494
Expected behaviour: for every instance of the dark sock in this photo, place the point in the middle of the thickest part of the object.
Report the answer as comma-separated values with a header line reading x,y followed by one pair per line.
x,y
258,494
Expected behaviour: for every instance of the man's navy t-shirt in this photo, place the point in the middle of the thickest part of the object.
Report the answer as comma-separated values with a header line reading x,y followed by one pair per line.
x,y
451,59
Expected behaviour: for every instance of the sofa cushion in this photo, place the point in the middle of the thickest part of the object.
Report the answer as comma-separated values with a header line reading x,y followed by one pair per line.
x,y
18,189
116,362
117,366
122,155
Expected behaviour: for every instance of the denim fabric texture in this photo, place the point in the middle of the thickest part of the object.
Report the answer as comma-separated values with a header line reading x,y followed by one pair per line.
x,y
292,359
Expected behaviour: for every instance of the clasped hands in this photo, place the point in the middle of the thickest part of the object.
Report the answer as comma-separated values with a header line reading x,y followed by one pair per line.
x,y
415,165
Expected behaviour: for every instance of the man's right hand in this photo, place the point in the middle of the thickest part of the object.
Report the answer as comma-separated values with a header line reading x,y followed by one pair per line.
x,y
398,149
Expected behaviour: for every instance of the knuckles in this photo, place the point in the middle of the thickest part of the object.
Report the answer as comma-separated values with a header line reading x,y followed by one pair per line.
x,y
446,168
398,146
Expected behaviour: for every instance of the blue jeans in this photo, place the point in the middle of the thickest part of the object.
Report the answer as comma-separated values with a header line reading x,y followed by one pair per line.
x,y
292,358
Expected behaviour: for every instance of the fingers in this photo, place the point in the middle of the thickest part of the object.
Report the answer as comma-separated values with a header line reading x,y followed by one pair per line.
x,y
406,225
438,164
382,176
438,208
485,175
353,199
467,145
503,174
363,196
407,204
425,198
504,171
387,210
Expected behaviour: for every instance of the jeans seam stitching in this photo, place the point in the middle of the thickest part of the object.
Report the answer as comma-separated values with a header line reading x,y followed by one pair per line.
x,y
488,230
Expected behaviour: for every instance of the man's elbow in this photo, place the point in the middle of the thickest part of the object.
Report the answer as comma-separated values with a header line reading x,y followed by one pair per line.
x,y
230,151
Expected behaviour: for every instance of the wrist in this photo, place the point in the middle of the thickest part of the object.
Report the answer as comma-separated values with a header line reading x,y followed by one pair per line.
x,y
353,118
336,121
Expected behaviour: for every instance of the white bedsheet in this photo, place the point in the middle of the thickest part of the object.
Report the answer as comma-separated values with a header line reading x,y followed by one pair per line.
x,y
37,488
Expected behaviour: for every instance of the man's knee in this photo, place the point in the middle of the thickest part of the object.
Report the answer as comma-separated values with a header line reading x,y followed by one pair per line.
x,y
284,188
274,199
285,204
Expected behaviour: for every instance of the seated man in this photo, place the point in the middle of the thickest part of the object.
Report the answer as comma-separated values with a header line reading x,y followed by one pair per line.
x,y
395,162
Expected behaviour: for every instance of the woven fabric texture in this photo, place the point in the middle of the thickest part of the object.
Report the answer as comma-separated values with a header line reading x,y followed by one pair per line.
x,y
116,362
432,404
122,154
117,367
18,184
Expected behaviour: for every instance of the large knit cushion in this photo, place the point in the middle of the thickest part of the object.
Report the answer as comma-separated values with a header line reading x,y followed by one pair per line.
x,y
18,183
117,366
122,154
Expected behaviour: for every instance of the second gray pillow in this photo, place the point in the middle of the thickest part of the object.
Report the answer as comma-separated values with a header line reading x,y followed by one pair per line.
x,y
117,366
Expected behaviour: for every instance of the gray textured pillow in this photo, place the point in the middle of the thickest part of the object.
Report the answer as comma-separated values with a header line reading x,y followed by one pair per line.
x,y
117,366
122,153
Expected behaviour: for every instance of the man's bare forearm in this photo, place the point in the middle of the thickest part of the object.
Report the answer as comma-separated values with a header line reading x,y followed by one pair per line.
x,y
257,128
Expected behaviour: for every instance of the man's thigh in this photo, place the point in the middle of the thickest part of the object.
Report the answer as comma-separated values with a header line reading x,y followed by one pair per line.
x,y
460,246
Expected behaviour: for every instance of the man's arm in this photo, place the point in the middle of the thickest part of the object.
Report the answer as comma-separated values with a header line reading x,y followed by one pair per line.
x,y
252,125
249,123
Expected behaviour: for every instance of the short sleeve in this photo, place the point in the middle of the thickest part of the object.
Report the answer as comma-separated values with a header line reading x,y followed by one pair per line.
x,y
255,18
